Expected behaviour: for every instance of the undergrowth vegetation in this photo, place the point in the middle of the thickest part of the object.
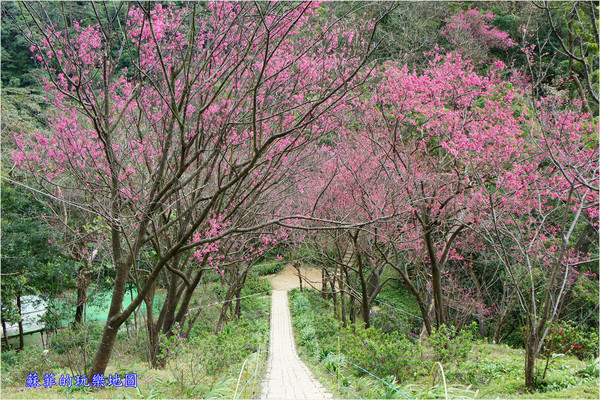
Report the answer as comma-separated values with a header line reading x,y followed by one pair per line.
x,y
201,364
389,361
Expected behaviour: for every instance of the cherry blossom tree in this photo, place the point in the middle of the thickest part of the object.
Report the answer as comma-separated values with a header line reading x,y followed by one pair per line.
x,y
432,132
166,151
471,35
534,210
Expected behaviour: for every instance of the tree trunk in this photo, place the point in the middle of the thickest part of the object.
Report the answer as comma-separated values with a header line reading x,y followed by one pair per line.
x,y
436,274
530,350
364,293
343,301
351,309
480,316
334,295
415,292
113,321
187,297
21,338
297,266
238,303
153,329
498,330
323,284
83,278
167,314
226,306
427,319
8,346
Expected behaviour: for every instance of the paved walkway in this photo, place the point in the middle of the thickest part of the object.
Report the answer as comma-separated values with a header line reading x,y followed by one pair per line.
x,y
287,376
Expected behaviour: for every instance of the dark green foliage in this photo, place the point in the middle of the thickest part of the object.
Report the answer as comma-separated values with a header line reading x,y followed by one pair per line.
x,y
27,249
17,64
592,369
78,345
255,285
479,371
220,352
390,320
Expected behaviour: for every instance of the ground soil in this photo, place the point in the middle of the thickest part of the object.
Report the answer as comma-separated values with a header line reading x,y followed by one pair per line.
x,y
287,278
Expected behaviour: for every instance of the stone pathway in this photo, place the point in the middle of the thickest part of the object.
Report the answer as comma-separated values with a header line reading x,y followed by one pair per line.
x,y
287,376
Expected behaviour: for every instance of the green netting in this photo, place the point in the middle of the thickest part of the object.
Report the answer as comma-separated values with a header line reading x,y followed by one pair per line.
x,y
98,305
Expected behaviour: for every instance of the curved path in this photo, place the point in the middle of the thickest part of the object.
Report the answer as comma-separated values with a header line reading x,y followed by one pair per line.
x,y
287,376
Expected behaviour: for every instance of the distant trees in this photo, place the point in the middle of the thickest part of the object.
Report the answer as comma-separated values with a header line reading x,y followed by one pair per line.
x,y
574,25
27,252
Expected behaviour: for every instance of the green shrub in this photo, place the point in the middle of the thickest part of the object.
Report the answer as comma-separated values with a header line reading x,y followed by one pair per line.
x,y
299,303
447,342
382,354
80,336
591,370
16,366
215,353
271,267
255,285
389,320
569,338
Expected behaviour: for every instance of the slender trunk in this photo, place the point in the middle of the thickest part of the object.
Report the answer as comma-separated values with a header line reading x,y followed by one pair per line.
x,y
436,277
113,322
297,266
8,346
334,295
168,310
427,319
238,303
153,329
187,297
21,338
343,301
351,309
479,292
226,306
364,293
83,278
498,330
192,321
323,284
415,292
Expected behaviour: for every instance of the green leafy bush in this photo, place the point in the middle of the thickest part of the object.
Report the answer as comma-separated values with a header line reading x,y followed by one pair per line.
x,y
448,342
255,285
382,354
569,338
388,320
269,268
483,371
16,366
217,352
591,370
